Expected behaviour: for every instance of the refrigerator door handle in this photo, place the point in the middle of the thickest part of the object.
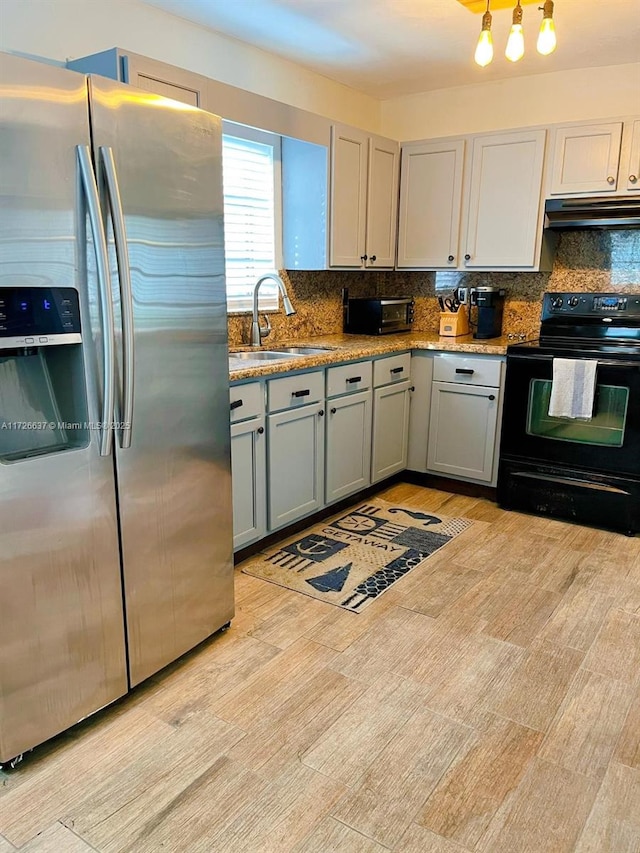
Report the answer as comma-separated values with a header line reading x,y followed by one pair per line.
x,y
126,297
88,180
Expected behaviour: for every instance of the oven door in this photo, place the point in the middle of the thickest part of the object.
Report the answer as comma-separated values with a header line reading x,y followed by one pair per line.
x,y
608,443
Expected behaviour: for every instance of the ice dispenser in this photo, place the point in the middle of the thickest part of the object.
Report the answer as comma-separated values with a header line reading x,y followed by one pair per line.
x,y
43,403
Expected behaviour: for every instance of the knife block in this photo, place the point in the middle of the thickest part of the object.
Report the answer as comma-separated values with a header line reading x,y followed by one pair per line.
x,y
453,324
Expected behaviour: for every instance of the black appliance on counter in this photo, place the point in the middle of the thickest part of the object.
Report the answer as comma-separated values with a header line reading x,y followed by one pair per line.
x,y
489,304
377,315
586,471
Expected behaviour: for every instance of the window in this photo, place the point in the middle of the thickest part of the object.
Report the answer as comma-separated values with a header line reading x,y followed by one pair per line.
x,y
252,204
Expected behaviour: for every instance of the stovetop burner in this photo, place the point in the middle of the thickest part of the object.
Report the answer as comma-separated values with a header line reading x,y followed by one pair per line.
x,y
587,325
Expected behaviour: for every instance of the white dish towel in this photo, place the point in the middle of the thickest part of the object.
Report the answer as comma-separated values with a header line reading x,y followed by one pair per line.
x,y
573,388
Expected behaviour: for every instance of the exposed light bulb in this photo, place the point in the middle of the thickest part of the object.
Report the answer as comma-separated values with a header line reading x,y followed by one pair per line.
x,y
515,43
547,35
484,48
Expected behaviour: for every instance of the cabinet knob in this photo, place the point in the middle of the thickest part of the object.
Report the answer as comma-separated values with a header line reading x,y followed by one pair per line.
x,y
333,411
412,388
372,258
260,430
633,178
467,257
451,259
321,413
363,257
611,180
492,396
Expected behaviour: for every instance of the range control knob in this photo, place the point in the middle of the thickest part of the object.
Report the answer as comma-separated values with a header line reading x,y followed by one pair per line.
x,y
573,301
556,302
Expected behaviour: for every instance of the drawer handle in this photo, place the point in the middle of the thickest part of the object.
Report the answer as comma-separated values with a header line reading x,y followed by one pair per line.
x,y
352,379
397,370
260,430
304,393
333,411
236,404
492,396
466,370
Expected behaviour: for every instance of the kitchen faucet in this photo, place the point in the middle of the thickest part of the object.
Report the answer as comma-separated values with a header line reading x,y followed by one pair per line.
x,y
259,332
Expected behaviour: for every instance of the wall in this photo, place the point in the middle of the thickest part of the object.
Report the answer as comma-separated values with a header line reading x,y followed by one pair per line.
x,y
584,261
67,29
561,96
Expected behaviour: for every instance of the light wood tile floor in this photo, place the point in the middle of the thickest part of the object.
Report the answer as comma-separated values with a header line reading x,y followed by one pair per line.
x,y
488,702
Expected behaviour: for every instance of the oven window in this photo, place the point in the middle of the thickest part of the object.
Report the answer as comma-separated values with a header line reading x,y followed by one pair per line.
x,y
394,313
605,428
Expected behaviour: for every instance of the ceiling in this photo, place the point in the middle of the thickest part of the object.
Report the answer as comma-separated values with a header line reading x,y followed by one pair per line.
x,y
389,48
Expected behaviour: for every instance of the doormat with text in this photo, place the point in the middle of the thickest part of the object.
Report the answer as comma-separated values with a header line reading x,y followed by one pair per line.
x,y
351,560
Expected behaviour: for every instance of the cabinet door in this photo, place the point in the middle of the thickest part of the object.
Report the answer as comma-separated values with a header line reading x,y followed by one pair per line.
x,y
382,202
390,430
585,159
630,177
248,481
504,200
421,378
462,430
296,464
430,201
348,453
348,196
162,79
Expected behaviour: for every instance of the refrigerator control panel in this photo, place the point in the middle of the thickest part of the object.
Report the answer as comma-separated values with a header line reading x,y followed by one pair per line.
x,y
39,316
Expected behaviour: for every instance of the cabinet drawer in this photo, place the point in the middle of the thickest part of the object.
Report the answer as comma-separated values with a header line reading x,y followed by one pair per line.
x,y
290,392
349,377
393,368
247,401
470,371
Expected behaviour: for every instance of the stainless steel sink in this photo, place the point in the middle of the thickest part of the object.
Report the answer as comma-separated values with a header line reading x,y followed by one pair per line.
x,y
303,350
277,353
259,355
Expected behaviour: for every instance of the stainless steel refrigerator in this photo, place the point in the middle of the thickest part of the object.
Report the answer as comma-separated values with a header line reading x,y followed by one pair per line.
x,y
115,490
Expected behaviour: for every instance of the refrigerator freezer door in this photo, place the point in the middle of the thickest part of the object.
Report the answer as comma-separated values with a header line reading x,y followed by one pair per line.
x,y
62,652
174,482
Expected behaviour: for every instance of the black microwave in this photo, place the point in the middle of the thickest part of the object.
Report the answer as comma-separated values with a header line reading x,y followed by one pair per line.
x,y
378,315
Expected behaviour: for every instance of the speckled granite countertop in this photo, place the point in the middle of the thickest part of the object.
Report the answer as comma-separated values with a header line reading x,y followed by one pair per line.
x,y
351,347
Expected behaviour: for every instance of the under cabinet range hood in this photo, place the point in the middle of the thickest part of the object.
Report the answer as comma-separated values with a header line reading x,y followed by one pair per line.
x,y
594,212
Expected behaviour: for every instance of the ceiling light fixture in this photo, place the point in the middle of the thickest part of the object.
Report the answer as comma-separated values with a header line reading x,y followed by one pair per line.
x,y
484,48
515,43
547,35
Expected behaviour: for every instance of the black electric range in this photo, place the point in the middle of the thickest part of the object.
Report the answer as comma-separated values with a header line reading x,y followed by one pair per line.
x,y
586,471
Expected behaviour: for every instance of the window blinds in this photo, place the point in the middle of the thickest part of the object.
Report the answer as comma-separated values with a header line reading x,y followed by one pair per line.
x,y
249,216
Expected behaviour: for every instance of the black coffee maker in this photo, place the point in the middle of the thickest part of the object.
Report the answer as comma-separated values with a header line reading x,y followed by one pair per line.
x,y
489,304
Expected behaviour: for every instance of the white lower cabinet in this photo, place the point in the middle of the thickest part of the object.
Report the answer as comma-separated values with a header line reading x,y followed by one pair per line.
x,y
248,464
348,445
295,463
391,398
466,405
462,430
248,472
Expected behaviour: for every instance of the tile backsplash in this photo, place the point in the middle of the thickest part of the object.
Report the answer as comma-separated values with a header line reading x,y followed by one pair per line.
x,y
585,261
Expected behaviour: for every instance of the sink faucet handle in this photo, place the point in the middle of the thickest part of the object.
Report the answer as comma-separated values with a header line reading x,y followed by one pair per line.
x,y
265,331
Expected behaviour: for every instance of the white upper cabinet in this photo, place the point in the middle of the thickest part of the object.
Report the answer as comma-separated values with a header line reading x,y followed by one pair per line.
x,y
586,159
504,203
349,154
430,204
630,165
364,181
594,159
382,202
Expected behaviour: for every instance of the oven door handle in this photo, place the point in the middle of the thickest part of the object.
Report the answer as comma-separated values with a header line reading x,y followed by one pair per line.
x,y
602,362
